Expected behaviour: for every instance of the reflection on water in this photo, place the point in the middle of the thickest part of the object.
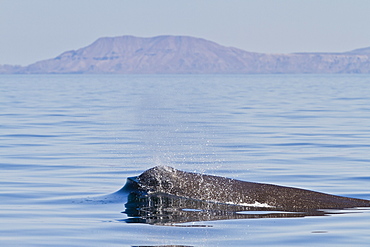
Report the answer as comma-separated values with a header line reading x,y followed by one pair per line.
x,y
162,209
162,246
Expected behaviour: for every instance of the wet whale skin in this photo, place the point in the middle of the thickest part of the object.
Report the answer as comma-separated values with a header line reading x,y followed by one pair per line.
x,y
169,181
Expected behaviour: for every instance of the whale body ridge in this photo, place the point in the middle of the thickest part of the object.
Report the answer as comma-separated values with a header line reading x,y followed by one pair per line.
x,y
170,181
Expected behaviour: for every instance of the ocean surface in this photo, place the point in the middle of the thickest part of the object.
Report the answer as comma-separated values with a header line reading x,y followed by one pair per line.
x,y
67,142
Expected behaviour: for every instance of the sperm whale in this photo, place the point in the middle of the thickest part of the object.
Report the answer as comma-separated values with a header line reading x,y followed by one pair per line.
x,y
221,190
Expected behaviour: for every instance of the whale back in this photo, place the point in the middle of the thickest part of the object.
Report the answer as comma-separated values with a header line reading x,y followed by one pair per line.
x,y
167,180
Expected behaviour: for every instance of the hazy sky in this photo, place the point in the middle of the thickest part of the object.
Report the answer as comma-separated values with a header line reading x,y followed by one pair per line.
x,y
33,30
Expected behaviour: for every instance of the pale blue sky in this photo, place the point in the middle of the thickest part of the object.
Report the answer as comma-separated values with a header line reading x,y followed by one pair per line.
x,y
33,30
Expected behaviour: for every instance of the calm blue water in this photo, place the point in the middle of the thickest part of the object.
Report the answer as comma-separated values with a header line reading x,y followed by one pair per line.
x,y
66,139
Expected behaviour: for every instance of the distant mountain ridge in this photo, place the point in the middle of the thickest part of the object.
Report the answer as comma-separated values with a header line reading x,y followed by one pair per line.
x,y
183,55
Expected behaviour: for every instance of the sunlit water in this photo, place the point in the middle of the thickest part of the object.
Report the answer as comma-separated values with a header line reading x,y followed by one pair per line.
x,y
68,141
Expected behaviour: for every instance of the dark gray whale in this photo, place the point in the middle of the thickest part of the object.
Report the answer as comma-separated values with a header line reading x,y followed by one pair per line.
x,y
169,181
165,196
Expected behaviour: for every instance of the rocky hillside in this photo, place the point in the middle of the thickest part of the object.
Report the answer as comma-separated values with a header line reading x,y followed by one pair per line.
x,y
182,54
